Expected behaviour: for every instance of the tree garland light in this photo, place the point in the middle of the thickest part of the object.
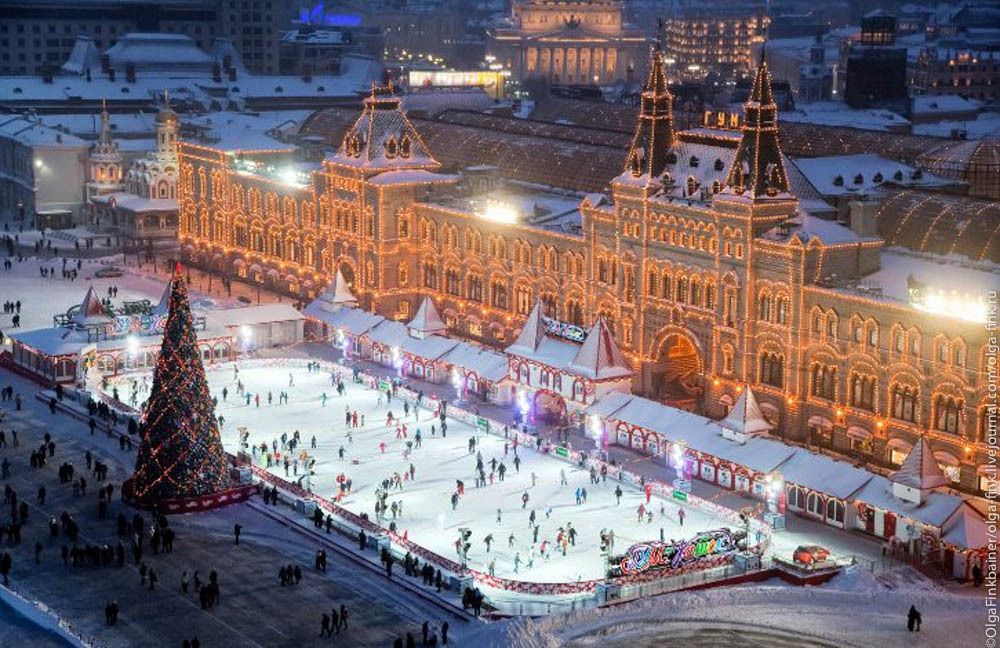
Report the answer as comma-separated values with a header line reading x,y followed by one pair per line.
x,y
180,454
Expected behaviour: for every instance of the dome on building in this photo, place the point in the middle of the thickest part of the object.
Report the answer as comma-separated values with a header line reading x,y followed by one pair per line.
x,y
975,162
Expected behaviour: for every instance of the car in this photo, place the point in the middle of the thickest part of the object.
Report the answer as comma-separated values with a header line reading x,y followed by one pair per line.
x,y
810,554
110,271
244,299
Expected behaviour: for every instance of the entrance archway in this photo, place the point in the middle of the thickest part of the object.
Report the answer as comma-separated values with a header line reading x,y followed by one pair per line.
x,y
550,407
675,374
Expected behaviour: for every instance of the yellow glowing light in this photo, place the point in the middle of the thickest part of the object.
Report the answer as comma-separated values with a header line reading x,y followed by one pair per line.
x,y
952,304
499,212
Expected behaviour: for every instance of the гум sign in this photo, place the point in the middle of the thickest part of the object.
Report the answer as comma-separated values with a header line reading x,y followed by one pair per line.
x,y
661,555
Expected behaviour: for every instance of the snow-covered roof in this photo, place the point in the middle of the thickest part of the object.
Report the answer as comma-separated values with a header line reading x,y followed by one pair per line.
x,y
92,311
532,333
382,138
920,469
411,176
31,133
353,321
847,175
431,347
937,272
836,113
158,52
57,341
798,466
336,296
389,333
599,357
966,528
236,131
135,203
251,315
746,416
427,321
824,474
487,364
935,509
936,104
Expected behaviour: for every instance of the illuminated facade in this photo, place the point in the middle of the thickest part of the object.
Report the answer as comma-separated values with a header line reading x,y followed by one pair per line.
x,y
700,260
569,42
699,40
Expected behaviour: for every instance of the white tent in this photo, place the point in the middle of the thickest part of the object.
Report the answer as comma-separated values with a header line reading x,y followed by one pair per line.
x,y
746,418
427,321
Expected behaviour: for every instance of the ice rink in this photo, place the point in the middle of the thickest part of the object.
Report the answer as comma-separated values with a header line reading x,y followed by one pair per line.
x,y
427,517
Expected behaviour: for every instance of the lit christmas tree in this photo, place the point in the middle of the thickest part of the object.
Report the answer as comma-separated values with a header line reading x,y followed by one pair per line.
x,y
180,455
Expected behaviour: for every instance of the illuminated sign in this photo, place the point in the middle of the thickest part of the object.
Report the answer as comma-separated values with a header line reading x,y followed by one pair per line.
x,y
562,329
136,325
661,555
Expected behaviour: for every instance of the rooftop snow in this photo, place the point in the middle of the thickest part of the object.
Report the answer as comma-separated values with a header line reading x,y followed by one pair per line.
x,y
837,175
938,272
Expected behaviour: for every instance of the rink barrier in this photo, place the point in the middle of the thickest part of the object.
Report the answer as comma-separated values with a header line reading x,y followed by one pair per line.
x,y
42,616
572,457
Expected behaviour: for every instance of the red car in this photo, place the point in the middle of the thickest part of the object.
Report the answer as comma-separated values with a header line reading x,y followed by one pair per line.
x,y
810,554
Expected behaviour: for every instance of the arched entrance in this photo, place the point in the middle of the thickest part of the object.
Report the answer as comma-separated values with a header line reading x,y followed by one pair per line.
x,y
675,374
550,407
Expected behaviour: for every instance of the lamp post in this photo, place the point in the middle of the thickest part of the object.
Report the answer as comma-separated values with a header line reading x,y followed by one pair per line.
x,y
458,382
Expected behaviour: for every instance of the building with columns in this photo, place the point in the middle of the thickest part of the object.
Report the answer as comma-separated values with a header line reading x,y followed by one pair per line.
x,y
704,260
139,204
569,42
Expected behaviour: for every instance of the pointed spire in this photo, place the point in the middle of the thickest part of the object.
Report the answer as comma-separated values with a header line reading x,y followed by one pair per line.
x,y
91,311
427,321
531,334
746,417
758,166
600,357
920,470
654,134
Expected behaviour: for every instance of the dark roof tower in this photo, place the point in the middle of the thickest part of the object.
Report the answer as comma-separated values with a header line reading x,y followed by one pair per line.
x,y
758,167
654,135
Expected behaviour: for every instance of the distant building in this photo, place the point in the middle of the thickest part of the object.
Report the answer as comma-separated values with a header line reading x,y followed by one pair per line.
x,y
144,206
967,73
700,39
572,42
42,173
876,68
38,35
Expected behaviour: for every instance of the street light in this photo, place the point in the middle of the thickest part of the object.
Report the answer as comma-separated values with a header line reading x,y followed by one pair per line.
x,y
458,382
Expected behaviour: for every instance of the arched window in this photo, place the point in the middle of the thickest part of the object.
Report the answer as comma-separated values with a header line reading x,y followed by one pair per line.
x,y
824,381
772,369
782,308
814,504
764,309
666,287
904,403
651,283
682,289
863,392
947,412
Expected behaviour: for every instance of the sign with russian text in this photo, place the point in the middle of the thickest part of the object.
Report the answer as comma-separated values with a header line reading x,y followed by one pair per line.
x,y
662,555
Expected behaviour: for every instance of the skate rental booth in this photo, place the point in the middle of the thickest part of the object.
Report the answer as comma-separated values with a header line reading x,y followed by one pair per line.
x,y
417,349
922,520
112,341
559,369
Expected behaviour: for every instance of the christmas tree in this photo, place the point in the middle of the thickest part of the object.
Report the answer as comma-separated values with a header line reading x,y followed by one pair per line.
x,y
180,454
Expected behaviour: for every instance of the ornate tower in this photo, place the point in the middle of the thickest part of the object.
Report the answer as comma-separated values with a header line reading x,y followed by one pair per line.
x,y
758,168
166,132
654,135
105,161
